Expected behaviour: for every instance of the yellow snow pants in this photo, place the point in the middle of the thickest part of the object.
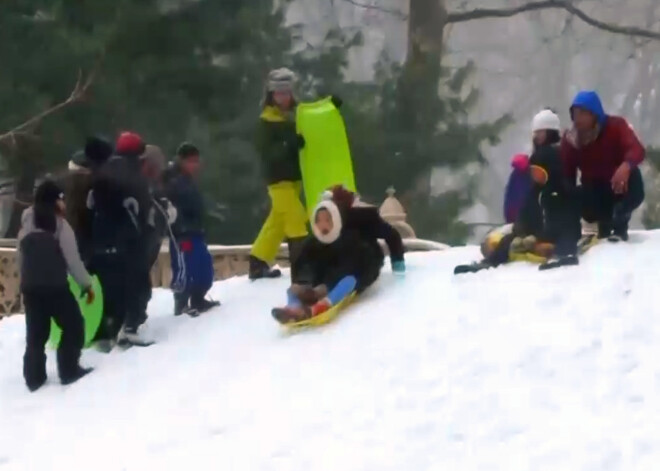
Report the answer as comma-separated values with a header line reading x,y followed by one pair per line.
x,y
287,219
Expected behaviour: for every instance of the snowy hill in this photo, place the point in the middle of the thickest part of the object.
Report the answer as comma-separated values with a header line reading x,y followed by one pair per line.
x,y
509,369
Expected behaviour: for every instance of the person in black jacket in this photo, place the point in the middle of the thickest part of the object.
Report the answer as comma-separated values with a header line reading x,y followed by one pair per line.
x,y
366,220
192,264
77,183
120,203
47,251
332,264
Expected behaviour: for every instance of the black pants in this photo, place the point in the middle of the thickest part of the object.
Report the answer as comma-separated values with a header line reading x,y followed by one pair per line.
x,y
601,205
40,307
125,281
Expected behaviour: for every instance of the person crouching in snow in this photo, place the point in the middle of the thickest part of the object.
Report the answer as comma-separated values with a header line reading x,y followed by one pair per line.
x,y
47,251
517,188
333,263
366,220
192,264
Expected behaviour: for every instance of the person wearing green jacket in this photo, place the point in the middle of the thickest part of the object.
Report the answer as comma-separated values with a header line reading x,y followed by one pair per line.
x,y
278,145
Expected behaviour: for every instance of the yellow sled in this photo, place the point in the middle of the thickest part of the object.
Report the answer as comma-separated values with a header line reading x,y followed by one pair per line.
x,y
324,318
586,242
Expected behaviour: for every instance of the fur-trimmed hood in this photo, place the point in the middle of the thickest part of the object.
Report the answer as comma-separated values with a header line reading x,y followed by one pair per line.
x,y
337,223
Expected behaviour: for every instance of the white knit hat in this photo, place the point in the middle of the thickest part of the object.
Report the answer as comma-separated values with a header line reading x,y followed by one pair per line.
x,y
281,80
546,119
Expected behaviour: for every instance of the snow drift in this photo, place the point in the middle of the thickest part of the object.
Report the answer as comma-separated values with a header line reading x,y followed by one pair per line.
x,y
508,369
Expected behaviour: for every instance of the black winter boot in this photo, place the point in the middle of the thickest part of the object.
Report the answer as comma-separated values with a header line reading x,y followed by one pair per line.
x,y
260,269
34,369
78,373
200,304
604,230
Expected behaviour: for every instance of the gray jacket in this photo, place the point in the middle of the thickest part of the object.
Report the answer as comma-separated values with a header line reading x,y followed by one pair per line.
x,y
44,259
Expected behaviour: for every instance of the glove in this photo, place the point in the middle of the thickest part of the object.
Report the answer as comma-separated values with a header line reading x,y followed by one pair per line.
x,y
89,294
300,141
336,101
399,266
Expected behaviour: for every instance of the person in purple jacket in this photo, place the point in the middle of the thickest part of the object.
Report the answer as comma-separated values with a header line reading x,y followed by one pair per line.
x,y
520,182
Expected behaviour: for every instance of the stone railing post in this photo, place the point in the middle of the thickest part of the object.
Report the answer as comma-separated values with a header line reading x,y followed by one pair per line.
x,y
392,211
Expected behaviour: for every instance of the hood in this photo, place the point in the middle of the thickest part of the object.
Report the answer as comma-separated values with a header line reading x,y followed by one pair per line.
x,y
520,162
590,101
335,214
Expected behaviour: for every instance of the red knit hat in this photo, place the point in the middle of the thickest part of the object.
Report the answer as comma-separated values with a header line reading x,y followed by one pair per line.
x,y
129,143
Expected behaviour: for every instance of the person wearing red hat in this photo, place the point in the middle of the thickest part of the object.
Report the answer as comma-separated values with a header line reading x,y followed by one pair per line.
x,y
120,202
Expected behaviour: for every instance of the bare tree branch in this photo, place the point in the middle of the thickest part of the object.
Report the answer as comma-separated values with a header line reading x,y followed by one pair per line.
x,y
77,94
481,13
567,5
389,11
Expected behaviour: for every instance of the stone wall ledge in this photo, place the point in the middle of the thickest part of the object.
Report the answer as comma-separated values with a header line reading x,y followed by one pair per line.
x,y
228,261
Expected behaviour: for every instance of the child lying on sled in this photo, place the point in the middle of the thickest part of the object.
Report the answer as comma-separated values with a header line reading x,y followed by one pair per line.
x,y
333,263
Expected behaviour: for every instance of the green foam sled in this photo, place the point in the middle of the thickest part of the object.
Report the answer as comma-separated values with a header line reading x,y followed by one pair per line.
x,y
92,313
326,158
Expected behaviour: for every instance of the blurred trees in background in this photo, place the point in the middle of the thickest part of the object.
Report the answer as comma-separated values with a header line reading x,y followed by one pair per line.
x,y
193,70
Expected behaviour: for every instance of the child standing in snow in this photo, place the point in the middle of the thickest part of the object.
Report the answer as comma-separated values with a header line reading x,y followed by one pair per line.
x,y
192,263
47,250
517,188
332,264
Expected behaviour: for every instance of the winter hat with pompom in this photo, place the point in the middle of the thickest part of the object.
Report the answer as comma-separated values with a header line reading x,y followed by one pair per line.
x,y
546,120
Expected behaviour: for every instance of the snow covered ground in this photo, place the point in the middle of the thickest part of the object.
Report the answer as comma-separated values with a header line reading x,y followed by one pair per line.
x,y
509,369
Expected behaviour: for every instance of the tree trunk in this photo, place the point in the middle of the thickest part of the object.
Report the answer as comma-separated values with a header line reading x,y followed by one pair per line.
x,y
24,154
419,81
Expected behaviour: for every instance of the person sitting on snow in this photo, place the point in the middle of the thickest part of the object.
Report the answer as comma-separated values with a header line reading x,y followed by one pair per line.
x,y
366,220
607,152
191,260
549,221
47,252
519,184
332,263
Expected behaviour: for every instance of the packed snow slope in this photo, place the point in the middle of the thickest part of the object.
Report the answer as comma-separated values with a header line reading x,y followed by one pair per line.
x,y
508,369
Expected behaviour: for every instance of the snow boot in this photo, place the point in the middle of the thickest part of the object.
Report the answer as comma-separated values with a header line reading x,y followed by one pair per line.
x,y
201,304
181,306
129,337
290,314
472,268
557,262
604,230
34,368
260,269
78,373
620,233
308,295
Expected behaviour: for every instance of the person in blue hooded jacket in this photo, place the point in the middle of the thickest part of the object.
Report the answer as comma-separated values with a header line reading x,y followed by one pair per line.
x,y
607,152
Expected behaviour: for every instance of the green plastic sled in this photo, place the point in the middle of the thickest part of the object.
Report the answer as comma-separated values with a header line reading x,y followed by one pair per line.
x,y
326,158
92,313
